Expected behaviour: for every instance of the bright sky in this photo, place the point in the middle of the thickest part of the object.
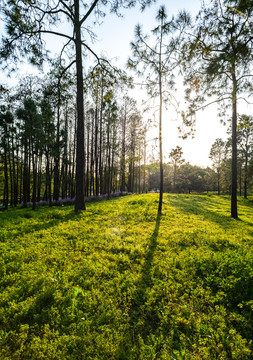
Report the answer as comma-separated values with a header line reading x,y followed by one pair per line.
x,y
114,36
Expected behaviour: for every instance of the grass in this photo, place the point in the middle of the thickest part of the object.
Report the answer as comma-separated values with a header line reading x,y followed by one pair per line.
x,y
118,282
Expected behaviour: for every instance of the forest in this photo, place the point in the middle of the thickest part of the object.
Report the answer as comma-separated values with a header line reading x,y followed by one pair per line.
x,y
38,147
54,147
38,150
111,246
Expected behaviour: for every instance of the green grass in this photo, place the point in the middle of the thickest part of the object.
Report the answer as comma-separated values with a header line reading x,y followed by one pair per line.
x,y
118,282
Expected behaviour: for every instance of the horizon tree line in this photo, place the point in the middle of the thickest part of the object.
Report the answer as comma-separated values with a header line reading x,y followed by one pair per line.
x,y
214,54
38,140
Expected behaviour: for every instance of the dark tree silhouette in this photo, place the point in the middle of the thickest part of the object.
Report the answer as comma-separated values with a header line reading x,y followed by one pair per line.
x,y
218,58
27,22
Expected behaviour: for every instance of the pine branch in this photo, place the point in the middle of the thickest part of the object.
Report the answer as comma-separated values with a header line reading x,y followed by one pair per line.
x,y
89,11
212,102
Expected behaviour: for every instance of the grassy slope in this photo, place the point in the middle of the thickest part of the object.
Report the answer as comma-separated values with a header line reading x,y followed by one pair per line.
x,y
116,282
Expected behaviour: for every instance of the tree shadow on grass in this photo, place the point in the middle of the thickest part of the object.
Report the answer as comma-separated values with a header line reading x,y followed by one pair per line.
x,y
142,319
146,270
205,207
37,222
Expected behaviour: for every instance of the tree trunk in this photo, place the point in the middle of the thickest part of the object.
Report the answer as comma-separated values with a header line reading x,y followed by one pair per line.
x,y
39,175
79,202
73,187
34,164
11,175
57,157
240,178
218,182
6,187
18,176
50,184
139,169
108,160
87,160
123,153
160,126
15,178
48,179
21,181
246,176
92,156
65,157
101,140
29,172
234,149
96,145
25,175
144,180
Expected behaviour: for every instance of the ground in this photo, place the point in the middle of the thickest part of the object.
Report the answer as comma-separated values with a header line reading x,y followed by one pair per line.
x,y
119,282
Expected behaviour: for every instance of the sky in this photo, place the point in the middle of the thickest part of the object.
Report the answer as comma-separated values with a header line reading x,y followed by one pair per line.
x,y
113,41
115,35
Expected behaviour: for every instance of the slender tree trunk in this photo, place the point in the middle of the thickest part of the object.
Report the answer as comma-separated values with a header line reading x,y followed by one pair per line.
x,y
6,181
21,180
160,126
57,156
79,202
101,140
218,182
246,176
144,180
18,176
234,149
112,170
108,160
92,157
48,177
34,164
73,185
240,178
39,175
25,175
64,170
15,186
133,174
96,145
139,169
50,184
123,153
87,161
29,172
11,175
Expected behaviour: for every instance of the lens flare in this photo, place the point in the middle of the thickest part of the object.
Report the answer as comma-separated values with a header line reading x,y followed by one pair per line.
x,y
236,10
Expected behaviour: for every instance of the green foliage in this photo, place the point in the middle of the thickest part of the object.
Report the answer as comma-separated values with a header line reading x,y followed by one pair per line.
x,y
118,282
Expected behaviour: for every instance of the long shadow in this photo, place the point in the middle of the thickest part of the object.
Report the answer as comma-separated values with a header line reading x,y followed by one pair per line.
x,y
142,322
204,207
44,222
146,270
51,218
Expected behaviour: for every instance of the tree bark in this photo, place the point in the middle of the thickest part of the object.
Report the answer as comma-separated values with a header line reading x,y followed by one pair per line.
x,y
234,149
57,156
246,176
6,187
101,140
25,175
160,127
96,145
79,201
123,153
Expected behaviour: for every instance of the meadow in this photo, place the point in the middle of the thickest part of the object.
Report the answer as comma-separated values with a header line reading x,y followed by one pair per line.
x,y
120,282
